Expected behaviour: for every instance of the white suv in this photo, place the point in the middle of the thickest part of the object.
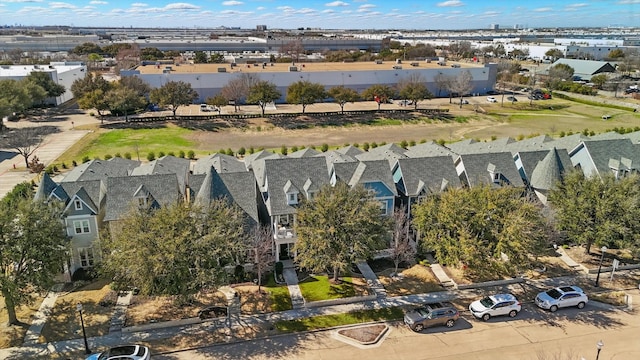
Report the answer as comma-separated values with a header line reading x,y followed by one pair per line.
x,y
563,296
495,305
491,99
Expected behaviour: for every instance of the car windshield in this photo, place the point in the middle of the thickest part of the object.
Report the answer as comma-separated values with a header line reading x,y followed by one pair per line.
x,y
423,312
487,302
554,293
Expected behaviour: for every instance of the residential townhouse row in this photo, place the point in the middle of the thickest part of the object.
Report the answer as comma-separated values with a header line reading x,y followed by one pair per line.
x,y
269,186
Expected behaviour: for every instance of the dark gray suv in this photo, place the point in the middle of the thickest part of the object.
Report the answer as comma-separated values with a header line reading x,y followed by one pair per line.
x,y
432,314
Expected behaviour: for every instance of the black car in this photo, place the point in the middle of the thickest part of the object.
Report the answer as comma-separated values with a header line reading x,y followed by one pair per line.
x,y
492,92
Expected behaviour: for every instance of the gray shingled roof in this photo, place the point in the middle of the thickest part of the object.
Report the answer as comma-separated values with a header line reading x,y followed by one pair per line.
x,y
476,168
549,171
350,150
296,171
634,137
428,149
94,189
100,169
602,152
237,187
568,142
334,156
163,188
477,147
611,135
221,162
371,171
540,142
530,160
390,152
166,165
249,159
45,188
427,174
307,152
258,167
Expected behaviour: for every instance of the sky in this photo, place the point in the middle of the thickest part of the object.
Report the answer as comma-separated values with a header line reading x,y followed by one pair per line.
x,y
327,14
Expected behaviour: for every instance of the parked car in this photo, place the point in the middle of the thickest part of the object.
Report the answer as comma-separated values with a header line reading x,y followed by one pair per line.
x,y
126,352
492,92
212,312
465,101
495,305
512,98
491,99
563,296
432,314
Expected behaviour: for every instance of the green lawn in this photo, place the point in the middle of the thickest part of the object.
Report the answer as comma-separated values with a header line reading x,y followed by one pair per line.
x,y
327,321
317,288
280,298
133,141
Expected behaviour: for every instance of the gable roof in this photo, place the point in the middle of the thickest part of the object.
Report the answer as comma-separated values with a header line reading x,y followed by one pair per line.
x,y
221,162
427,174
82,195
549,171
166,165
307,152
428,149
249,159
495,146
477,166
602,152
93,189
350,150
366,172
258,167
334,156
585,69
296,172
237,187
164,189
45,188
390,152
100,169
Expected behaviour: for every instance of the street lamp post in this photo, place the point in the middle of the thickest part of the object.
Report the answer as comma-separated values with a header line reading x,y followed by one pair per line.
x,y
599,345
84,333
602,251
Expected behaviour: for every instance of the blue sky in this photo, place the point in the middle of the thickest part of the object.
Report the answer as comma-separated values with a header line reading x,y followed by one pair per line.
x,y
328,14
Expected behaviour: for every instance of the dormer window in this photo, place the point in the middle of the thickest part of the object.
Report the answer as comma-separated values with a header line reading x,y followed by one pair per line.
x,y
143,202
292,193
78,204
292,198
311,195
496,177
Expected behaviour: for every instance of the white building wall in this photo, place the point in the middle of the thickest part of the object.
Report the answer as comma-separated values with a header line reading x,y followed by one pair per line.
x,y
62,73
210,84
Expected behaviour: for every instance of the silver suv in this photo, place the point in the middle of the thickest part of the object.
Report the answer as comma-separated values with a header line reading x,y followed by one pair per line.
x,y
495,305
432,314
563,296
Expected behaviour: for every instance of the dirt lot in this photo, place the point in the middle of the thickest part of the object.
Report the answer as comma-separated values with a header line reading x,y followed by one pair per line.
x,y
13,335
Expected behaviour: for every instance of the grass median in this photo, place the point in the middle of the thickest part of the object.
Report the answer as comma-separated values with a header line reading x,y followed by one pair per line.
x,y
328,321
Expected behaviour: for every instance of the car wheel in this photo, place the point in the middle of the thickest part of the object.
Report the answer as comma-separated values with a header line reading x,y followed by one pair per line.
x,y
513,313
581,305
450,323
486,317
418,328
553,308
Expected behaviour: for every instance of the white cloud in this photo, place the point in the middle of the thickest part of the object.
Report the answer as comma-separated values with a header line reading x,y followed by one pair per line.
x,y
337,3
260,8
232,3
576,6
22,1
544,9
181,6
61,5
627,2
98,2
450,3
139,5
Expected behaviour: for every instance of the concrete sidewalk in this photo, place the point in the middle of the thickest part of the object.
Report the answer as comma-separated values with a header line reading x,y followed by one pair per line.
x,y
118,338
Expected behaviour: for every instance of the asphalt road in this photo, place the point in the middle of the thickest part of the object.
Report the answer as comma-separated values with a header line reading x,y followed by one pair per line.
x,y
533,334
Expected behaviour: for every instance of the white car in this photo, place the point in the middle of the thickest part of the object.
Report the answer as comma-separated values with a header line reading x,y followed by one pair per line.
x,y
495,305
563,296
491,99
126,352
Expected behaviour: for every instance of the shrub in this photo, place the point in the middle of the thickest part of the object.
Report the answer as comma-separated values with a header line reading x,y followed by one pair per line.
x,y
585,132
422,141
222,151
117,155
151,156
55,168
85,159
425,262
49,170
92,113
127,156
356,145
251,150
259,128
519,137
493,138
230,152
324,147
171,153
74,163
64,165
96,158
181,154
365,146
374,145
562,134
592,133
108,156
441,142
161,154
283,150
383,143
242,151
412,143
294,148
404,144
346,144
279,267
191,154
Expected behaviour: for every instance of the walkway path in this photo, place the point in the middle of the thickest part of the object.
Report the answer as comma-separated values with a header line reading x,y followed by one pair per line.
x,y
40,317
291,277
120,311
372,280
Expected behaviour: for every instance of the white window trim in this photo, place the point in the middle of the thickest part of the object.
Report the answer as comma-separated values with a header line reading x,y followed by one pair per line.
x,y
80,224
78,204
86,257
292,198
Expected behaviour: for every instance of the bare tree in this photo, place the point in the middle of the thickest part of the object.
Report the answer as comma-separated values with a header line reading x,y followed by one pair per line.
x,y
262,251
462,84
442,82
26,140
402,249
237,89
293,48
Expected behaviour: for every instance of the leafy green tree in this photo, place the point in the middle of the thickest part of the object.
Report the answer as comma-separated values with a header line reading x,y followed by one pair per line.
x,y
94,99
414,88
124,101
185,247
616,54
554,53
173,94
217,100
86,49
200,57
136,84
216,58
45,81
599,80
151,53
262,93
558,74
598,210
343,95
490,231
339,226
33,245
304,93
14,97
379,93
90,92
